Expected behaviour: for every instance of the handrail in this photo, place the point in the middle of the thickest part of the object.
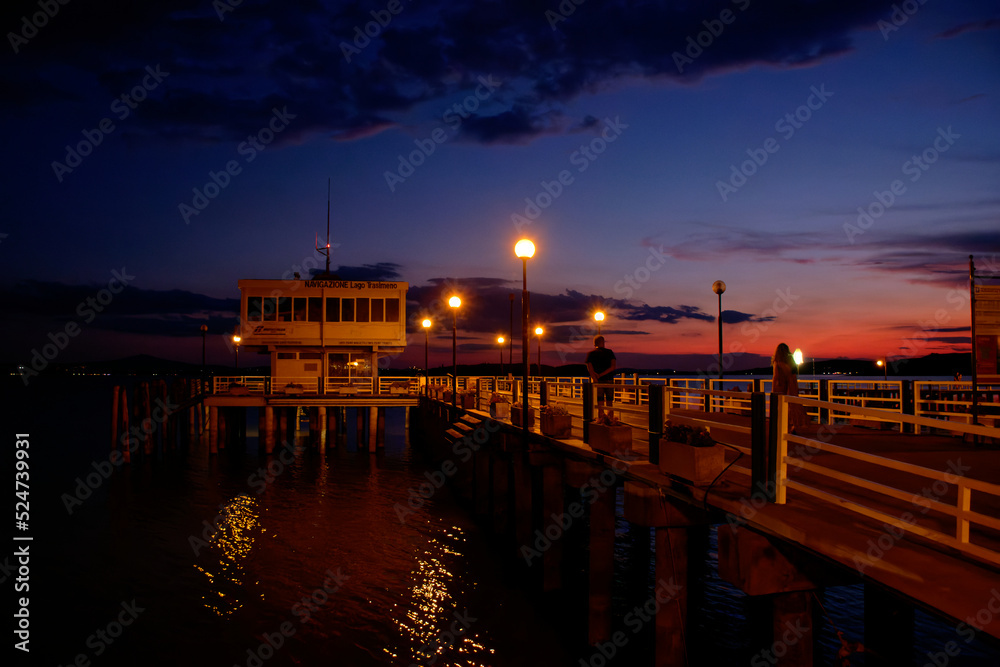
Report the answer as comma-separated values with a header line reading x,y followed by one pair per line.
x,y
961,511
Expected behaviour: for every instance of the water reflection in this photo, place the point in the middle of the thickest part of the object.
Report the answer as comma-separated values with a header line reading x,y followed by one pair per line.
x,y
232,538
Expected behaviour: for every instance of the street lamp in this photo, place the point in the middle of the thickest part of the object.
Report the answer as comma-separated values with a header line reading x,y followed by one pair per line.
x,y
524,249
538,337
236,341
599,317
885,368
798,357
510,338
454,302
500,342
204,330
719,287
427,325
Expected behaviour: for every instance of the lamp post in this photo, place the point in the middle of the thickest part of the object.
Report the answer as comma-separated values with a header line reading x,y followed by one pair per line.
x,y
510,338
719,287
500,342
427,325
885,368
454,302
538,337
204,330
236,342
524,249
599,317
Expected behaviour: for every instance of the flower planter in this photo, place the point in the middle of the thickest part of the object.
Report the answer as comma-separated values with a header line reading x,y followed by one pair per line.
x,y
515,416
500,410
615,439
557,426
467,401
698,465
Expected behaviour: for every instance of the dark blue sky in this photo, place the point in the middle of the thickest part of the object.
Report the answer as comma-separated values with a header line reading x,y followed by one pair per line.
x,y
648,149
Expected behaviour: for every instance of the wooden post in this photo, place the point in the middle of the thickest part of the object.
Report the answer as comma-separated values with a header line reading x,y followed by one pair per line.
x,y
656,419
671,618
114,417
321,422
589,398
268,430
602,560
213,430
361,427
123,411
552,509
888,628
372,429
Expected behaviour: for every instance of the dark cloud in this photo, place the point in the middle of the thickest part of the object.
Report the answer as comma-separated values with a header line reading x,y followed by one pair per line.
x,y
971,26
379,271
667,314
735,317
229,69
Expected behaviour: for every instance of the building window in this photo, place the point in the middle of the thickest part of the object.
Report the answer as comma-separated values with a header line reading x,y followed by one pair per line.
x,y
392,310
286,355
284,309
310,355
254,313
378,310
361,314
299,309
315,309
332,309
269,307
347,310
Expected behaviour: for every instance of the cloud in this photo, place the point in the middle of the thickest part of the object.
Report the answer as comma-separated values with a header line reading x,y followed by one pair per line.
x,y
226,75
378,271
971,26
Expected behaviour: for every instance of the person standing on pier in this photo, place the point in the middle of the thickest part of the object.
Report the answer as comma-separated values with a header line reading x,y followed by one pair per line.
x,y
601,364
786,381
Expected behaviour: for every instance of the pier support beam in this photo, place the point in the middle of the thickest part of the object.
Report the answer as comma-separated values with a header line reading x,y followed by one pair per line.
x,y
321,427
372,429
888,629
268,428
552,509
213,430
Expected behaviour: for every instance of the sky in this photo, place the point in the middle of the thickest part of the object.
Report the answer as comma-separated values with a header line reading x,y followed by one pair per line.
x,y
833,162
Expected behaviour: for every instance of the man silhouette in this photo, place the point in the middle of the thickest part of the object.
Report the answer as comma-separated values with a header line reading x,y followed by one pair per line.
x,y
601,364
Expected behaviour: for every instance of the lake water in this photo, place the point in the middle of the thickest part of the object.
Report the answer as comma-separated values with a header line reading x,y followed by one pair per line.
x,y
315,567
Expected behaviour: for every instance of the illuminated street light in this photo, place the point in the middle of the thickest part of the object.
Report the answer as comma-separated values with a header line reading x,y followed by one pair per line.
x,y
538,336
454,302
719,287
599,317
500,342
427,325
797,356
885,368
524,249
236,342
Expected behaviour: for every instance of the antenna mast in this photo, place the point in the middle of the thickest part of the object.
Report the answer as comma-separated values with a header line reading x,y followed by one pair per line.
x,y
326,250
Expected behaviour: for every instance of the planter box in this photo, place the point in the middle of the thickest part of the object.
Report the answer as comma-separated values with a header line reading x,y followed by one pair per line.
x,y
467,401
698,465
515,416
616,440
500,410
557,426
